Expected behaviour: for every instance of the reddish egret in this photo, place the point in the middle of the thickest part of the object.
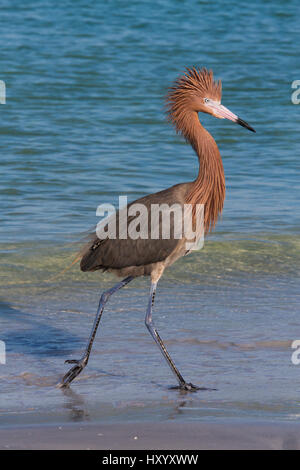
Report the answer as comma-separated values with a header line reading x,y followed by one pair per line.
x,y
193,92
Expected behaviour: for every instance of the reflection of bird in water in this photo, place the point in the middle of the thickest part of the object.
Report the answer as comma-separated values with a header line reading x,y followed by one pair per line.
x,y
75,403
194,92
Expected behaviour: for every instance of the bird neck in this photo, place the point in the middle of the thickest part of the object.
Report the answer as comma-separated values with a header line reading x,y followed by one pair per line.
x,y
209,186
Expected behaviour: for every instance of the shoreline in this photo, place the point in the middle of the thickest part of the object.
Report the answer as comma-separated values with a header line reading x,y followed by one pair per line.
x,y
154,435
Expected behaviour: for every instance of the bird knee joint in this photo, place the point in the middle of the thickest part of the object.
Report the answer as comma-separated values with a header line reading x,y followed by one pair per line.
x,y
104,297
148,321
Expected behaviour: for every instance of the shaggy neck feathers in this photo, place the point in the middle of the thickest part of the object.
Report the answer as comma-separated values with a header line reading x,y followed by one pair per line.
x,y
209,186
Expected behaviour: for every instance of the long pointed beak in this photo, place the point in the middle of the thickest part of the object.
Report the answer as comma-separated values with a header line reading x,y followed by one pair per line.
x,y
245,124
221,112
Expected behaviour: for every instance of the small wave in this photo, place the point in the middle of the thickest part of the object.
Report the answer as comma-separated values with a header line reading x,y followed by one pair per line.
x,y
30,265
255,345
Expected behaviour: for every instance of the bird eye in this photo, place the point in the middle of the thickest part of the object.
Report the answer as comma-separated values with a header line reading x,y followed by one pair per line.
x,y
206,100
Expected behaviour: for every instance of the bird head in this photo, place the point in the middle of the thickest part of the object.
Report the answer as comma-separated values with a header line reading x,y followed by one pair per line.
x,y
197,91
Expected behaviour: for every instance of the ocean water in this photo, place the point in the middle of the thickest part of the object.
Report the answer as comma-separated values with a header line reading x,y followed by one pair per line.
x,y
84,123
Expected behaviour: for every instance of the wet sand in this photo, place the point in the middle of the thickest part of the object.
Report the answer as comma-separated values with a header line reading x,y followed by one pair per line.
x,y
154,436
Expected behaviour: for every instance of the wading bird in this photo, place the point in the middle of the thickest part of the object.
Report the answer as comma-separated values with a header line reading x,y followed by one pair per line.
x,y
193,92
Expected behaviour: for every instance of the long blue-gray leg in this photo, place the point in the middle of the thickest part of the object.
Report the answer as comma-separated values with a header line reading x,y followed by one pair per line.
x,y
81,363
154,333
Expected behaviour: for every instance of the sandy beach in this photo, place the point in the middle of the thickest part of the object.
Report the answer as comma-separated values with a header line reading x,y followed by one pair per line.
x,y
150,436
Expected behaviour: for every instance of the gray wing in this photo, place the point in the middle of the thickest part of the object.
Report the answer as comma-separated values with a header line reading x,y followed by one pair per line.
x,y
117,253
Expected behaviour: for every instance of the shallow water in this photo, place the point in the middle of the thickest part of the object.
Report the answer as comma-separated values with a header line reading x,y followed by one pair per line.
x,y
83,123
228,315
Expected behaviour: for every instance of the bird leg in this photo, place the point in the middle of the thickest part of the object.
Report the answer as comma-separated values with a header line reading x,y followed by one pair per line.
x,y
81,363
183,385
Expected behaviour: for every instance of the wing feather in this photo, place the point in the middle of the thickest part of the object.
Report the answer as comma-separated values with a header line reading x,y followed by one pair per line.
x,y
118,253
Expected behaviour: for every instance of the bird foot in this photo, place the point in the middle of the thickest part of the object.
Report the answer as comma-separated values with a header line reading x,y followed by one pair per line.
x,y
74,371
189,387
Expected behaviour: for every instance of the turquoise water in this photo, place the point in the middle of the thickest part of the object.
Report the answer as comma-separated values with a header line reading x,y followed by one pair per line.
x,y
84,123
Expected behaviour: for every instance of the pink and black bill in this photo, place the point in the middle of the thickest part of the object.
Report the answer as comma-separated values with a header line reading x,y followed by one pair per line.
x,y
244,124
